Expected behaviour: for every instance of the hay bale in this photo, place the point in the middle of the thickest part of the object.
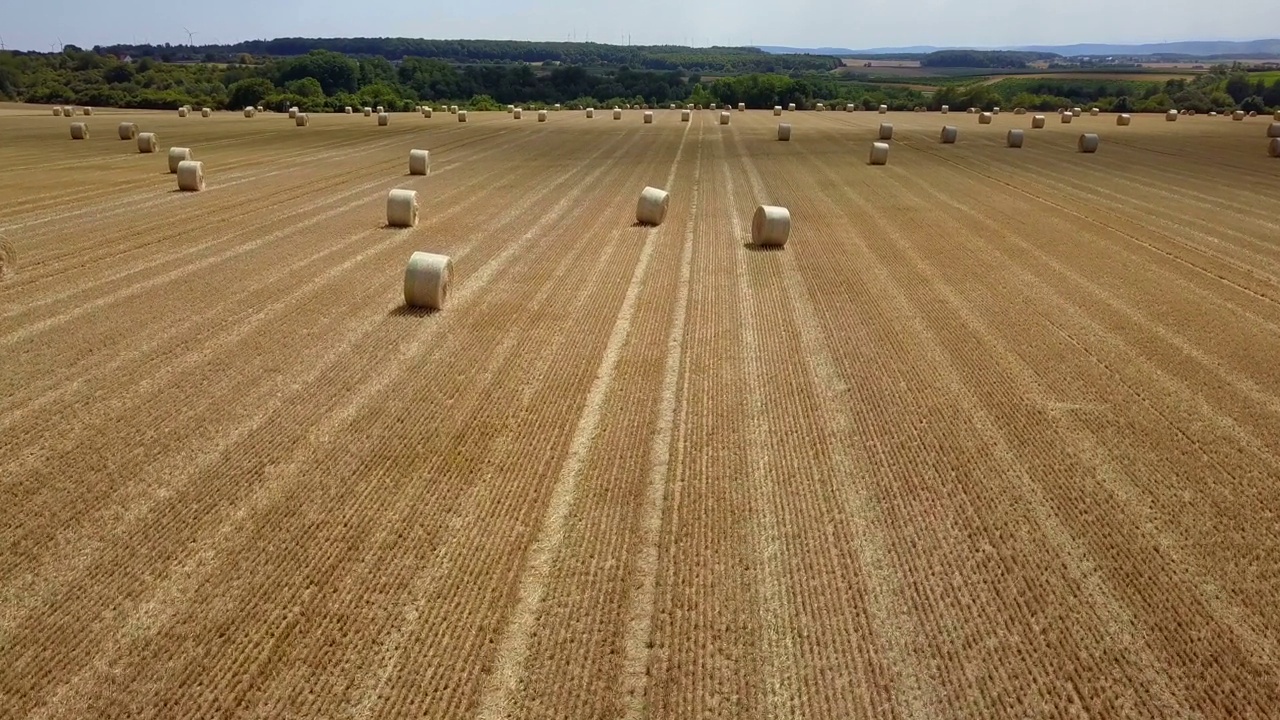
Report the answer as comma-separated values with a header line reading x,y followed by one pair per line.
x,y
1252,113
426,113
591,112
462,116
1171,116
348,110
1276,117
556,107
886,131
777,110
148,142
1075,112
57,112
258,109
945,109
884,109
379,109
784,132
1237,115
517,114
542,116
791,107
1066,118
685,115
1088,143
972,111
995,111
79,131
206,112
1037,122
250,112
984,118
182,112
712,106
1273,148
453,109
652,206
426,280
402,208
87,111
1013,139
1123,119
724,118
127,130
302,120
848,107
1019,111
383,119
742,107
771,226
879,153
820,108
419,162
190,176
648,117
617,114
1273,130
950,133
178,155
368,112
1093,112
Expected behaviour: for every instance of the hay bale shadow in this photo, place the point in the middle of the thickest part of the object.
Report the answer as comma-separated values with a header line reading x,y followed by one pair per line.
x,y
408,311
763,248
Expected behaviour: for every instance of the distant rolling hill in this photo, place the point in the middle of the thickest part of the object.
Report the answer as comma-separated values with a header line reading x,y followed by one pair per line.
x,y
1193,48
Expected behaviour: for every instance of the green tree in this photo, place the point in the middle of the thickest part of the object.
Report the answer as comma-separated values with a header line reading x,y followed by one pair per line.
x,y
250,92
335,72
308,87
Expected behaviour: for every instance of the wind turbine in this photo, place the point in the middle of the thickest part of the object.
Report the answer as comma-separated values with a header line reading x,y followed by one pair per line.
x,y
189,36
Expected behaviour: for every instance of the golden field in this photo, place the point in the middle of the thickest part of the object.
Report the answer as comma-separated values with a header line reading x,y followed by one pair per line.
x,y
996,435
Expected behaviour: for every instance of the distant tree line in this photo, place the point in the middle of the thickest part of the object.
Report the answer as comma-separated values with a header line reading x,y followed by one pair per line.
x,y
983,58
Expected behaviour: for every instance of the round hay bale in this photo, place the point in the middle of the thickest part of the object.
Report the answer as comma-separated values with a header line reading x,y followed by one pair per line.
x,y
1037,122
724,118
950,133
652,206
426,280
1237,115
712,106
1213,114
517,114
190,176
1066,118
972,111
591,112
426,113
402,208
182,112
258,109
419,162
820,108
883,109
1171,116
995,111
648,117
1075,112
556,107
791,107
984,118
69,111
886,131
771,226
127,130
1123,119
1276,117
462,116
1093,112
742,107
784,132
368,112
380,110
1273,148
1013,139
87,111
177,156
879,153
1191,112
57,112
1019,111
79,131
302,120
511,109
293,113
542,116
617,114
1088,143
1252,113
777,110
383,119
946,109
453,109
148,142
685,115
1273,130
249,112
348,110
206,112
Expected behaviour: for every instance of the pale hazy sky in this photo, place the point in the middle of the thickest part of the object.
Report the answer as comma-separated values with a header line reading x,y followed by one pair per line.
x,y
34,24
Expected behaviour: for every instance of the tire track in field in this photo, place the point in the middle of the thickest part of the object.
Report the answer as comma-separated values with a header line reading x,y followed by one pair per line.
x,y
139,507
1248,630
1115,617
163,603
507,672
890,628
637,635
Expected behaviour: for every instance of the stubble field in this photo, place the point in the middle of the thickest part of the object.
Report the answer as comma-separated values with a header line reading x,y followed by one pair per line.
x,y
996,435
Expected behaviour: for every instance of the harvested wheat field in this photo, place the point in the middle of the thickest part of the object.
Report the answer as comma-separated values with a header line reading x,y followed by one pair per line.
x,y
995,435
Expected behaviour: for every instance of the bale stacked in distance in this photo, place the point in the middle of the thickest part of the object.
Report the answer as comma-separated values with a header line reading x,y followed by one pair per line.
x,y
591,112
1123,119
1171,116
127,130
820,107
1037,122
946,109
1237,115
1093,112
742,107
542,116
383,119
148,142
950,133
1252,113
984,118
1013,139
713,106
879,153
419,162
556,107
1273,148
368,112
79,131
884,109
771,226
177,156
724,118
648,117
426,280
777,110
1087,143
402,208
1066,118
348,110
462,116
886,131
302,120
1019,111
791,107
685,115
784,132
190,176
517,114
206,112
182,112
651,209
259,108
